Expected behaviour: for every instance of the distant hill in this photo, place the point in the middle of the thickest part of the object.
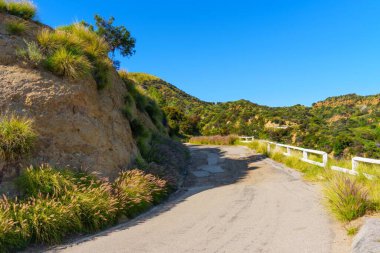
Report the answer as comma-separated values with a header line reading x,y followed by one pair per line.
x,y
343,125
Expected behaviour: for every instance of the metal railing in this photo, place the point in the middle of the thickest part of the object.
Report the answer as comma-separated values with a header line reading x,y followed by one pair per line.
x,y
305,156
305,153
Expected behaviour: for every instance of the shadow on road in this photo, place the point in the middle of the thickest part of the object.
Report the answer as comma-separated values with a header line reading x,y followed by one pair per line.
x,y
231,168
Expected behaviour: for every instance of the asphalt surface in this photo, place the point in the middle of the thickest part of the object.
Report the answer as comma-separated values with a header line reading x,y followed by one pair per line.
x,y
233,201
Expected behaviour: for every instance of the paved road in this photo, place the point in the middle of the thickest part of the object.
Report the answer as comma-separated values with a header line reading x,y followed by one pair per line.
x,y
234,201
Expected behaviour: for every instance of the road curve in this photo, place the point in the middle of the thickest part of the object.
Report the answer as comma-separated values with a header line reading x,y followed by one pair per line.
x,y
233,201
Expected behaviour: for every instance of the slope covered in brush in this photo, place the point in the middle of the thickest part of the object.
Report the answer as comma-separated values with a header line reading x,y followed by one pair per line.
x,y
344,125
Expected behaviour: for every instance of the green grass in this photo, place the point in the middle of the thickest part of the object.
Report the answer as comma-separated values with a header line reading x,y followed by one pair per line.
x,y
15,27
32,53
17,137
65,63
138,191
57,203
346,198
23,9
141,77
75,51
215,140
351,231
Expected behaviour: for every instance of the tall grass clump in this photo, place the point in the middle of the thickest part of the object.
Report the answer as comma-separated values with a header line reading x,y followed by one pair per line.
x,y
14,235
32,53
23,9
346,198
15,27
75,51
138,191
215,140
66,63
17,137
45,180
97,206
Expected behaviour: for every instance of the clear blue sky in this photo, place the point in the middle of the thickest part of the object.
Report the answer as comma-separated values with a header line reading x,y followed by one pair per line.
x,y
278,52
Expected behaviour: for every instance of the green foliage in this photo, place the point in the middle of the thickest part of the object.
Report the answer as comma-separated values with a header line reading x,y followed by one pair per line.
x,y
351,231
215,140
118,37
346,198
23,9
138,128
65,63
76,51
45,180
138,191
15,27
97,205
57,203
32,53
17,137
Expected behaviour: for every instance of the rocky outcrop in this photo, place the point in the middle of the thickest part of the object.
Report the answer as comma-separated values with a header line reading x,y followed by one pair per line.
x,y
78,126
368,238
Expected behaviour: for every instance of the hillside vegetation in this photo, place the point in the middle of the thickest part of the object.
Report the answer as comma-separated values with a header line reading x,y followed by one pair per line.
x,y
81,145
343,126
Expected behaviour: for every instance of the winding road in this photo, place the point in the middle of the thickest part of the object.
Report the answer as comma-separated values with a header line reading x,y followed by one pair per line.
x,y
233,201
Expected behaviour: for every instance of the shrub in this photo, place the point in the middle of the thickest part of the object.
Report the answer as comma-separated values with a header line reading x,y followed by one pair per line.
x,y
65,63
3,6
138,191
45,180
97,206
32,53
17,137
24,9
138,128
48,219
15,27
215,140
346,198
14,235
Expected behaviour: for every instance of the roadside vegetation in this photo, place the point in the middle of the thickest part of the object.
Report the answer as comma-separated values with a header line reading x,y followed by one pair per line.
x,y
55,203
215,140
347,197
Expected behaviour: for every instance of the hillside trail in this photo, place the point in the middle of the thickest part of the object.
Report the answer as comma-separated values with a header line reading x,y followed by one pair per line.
x,y
233,201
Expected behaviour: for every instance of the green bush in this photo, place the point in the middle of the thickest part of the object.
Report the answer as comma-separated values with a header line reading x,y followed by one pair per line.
x,y
45,180
49,219
138,128
215,140
3,6
24,9
138,191
15,27
14,235
346,198
97,206
17,137
65,63
32,53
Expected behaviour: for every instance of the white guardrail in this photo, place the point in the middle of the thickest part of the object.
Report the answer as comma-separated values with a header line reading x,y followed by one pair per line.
x,y
305,152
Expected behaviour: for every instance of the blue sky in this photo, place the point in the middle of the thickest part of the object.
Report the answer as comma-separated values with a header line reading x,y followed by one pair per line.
x,y
272,52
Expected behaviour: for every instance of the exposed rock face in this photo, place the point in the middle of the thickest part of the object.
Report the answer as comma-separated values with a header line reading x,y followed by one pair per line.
x,y
78,126
368,238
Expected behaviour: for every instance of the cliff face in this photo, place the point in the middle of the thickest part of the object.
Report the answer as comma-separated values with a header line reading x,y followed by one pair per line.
x,y
78,126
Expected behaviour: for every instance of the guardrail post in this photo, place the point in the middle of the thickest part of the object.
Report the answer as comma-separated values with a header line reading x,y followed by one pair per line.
x,y
354,164
304,154
288,150
325,159
268,147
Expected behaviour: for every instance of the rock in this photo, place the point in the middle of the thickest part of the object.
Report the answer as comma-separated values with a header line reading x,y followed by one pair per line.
x,y
368,238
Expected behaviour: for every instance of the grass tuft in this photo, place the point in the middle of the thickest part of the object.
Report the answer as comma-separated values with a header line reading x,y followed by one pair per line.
x,y
15,27
32,53
17,137
346,198
23,9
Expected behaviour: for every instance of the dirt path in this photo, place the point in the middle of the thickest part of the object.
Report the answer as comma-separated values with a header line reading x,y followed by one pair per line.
x,y
234,201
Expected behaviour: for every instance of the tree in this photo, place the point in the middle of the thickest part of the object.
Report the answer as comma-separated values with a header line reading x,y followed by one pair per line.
x,y
117,37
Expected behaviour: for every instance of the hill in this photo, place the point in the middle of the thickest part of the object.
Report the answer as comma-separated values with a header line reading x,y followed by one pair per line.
x,y
343,126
